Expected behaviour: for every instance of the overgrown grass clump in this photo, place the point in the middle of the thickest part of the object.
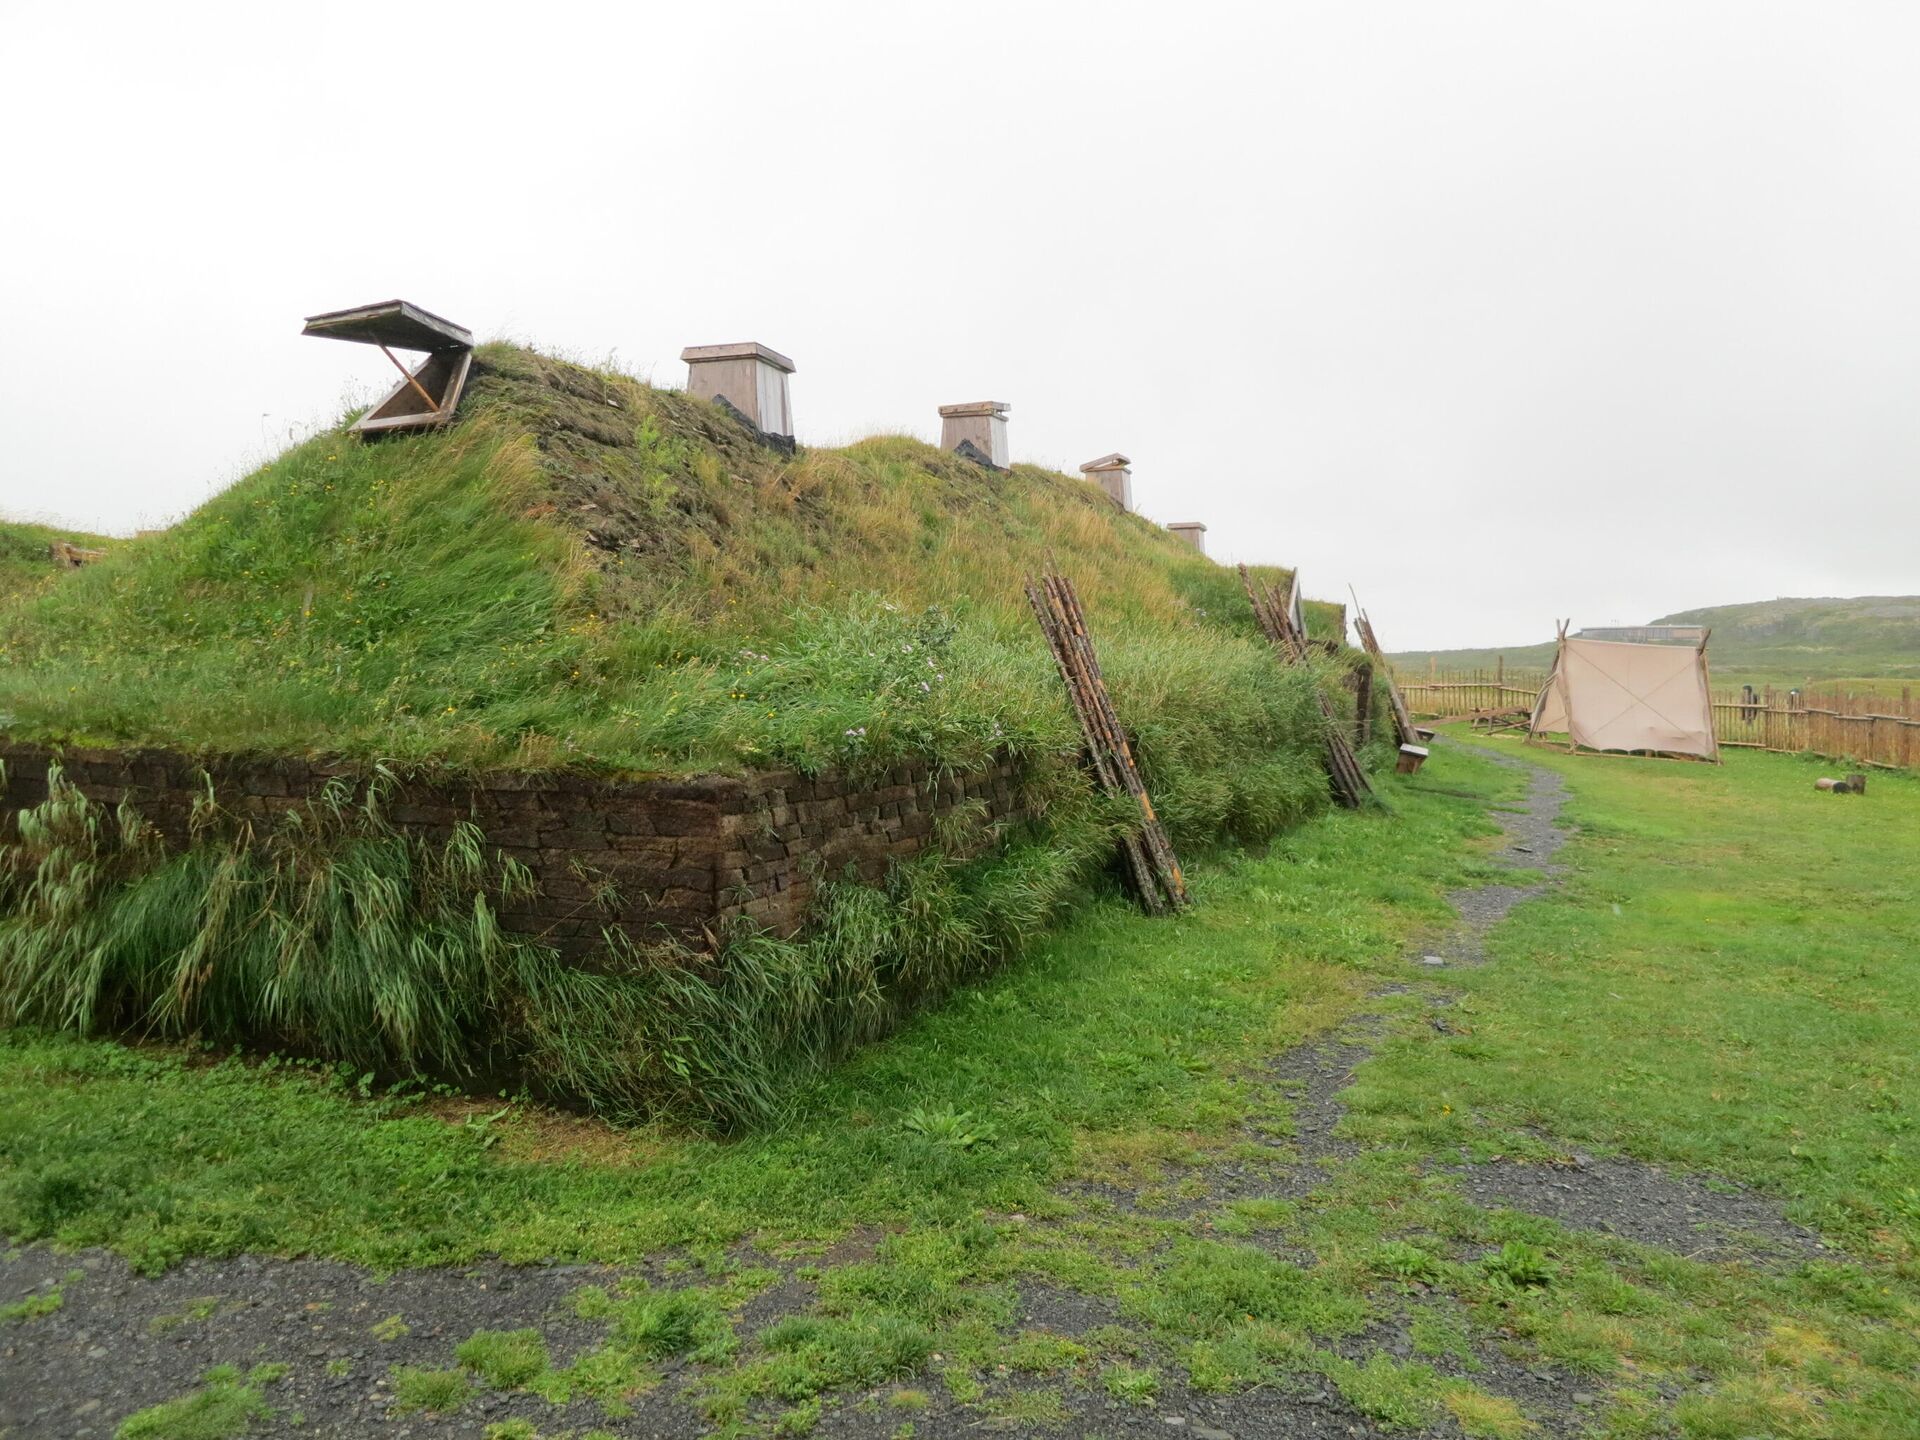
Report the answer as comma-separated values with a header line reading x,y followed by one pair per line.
x,y
228,1404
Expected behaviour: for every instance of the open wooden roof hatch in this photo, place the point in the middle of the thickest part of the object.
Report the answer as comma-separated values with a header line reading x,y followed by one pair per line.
x,y
425,396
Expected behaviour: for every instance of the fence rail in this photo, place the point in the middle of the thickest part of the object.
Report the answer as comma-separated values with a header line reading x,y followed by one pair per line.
x,y
1454,694
1870,728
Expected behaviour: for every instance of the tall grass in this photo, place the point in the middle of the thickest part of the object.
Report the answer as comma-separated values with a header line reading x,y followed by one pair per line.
x,y
334,935
331,934
728,1038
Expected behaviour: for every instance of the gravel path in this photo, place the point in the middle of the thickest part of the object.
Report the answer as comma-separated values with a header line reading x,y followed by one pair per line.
x,y
120,1342
1644,1203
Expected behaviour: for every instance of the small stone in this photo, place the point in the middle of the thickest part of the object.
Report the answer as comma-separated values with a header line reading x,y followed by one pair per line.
x,y
96,1352
1174,1419
1431,960
1585,1397
1207,1432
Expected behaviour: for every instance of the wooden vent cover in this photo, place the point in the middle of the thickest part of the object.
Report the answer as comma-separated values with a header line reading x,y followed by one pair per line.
x,y
425,397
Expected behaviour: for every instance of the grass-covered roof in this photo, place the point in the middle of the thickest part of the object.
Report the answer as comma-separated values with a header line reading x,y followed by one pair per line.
x,y
587,571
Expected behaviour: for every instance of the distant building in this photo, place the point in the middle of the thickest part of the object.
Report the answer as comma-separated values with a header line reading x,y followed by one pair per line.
x,y
1648,634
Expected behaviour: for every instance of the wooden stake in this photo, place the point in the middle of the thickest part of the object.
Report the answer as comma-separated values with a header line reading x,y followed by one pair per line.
x,y
419,389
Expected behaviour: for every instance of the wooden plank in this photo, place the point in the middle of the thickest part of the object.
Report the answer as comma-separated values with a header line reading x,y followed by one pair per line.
x,y
411,405
411,379
390,322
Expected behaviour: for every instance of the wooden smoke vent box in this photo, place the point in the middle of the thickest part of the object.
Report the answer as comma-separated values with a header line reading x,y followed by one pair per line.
x,y
425,396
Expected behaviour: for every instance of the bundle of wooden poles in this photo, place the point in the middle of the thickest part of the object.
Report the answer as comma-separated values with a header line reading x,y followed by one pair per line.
x,y
1279,621
1147,855
1405,732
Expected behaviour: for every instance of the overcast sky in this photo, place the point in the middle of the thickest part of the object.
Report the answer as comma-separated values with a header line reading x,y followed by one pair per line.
x,y
1500,312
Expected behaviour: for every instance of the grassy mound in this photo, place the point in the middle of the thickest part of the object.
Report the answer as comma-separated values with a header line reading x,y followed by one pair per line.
x,y
588,572
26,568
584,572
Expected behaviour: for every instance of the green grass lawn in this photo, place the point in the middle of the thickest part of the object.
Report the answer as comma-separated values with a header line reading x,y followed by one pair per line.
x,y
1726,981
1738,950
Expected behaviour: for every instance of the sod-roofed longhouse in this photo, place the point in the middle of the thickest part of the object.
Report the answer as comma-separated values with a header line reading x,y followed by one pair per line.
x,y
589,584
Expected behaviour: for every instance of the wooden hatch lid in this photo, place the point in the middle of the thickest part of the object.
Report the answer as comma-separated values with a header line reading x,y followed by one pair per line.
x,y
398,323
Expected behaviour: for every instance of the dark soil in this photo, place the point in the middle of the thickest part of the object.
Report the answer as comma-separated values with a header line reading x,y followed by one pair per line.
x,y
1648,1205
119,1342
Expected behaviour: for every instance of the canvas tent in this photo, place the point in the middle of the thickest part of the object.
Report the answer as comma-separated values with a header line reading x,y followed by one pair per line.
x,y
1609,695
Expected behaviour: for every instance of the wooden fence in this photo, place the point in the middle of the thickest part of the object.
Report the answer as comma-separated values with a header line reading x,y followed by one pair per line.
x,y
1456,694
1866,727
1870,729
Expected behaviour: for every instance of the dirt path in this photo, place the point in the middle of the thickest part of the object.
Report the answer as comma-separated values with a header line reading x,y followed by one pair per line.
x,y
1638,1202
120,1342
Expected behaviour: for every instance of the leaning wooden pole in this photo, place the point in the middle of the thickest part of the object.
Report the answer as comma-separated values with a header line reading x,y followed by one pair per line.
x,y
1101,727
1344,776
1132,854
1153,834
1706,680
1403,727
1146,854
1556,680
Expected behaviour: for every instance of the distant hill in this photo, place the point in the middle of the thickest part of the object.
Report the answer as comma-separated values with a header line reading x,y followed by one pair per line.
x,y
1517,657
1869,637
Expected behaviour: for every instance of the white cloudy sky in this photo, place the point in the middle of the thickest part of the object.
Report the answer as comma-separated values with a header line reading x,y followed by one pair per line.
x,y
1499,311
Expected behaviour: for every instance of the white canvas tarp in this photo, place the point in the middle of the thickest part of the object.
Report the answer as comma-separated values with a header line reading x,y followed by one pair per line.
x,y
1606,695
